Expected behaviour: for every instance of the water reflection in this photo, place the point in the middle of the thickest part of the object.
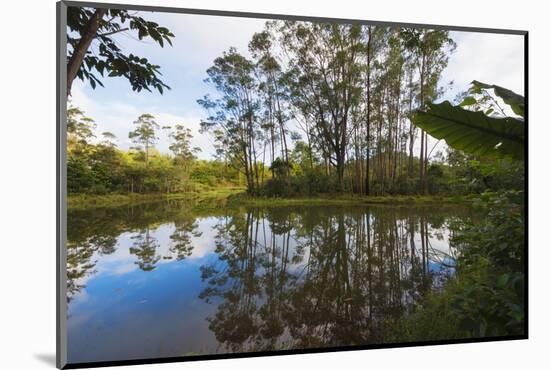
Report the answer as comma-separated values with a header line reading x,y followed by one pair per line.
x,y
322,277
249,279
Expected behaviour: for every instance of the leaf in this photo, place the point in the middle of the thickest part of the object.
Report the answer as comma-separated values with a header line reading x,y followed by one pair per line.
x,y
473,132
515,101
503,280
469,100
142,32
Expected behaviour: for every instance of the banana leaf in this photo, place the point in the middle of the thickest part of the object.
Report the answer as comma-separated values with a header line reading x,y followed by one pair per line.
x,y
473,132
515,101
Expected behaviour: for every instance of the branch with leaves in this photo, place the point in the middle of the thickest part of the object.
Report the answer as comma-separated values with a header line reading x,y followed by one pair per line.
x,y
93,52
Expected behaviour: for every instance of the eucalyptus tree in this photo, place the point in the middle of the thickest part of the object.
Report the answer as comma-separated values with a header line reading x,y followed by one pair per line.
x,y
272,86
92,50
180,145
395,62
374,37
430,49
109,139
184,154
80,128
325,79
235,112
144,135
412,87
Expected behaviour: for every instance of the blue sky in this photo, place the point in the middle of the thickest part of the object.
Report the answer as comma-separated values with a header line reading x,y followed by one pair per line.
x,y
491,58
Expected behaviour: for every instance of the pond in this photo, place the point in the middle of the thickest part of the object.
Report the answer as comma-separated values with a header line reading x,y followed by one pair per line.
x,y
162,280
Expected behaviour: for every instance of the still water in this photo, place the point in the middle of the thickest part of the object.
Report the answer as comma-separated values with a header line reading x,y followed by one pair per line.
x,y
160,280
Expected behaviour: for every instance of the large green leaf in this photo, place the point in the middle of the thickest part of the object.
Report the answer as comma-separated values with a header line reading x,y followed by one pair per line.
x,y
473,132
515,101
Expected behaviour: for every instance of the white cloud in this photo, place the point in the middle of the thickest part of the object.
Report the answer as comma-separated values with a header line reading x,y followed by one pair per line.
x,y
205,37
490,58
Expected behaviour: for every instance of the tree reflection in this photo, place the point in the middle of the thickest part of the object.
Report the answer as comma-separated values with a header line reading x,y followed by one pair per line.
x,y
184,232
94,233
145,249
79,260
314,278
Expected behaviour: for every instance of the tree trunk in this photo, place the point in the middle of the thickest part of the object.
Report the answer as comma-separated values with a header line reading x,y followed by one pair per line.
x,y
358,174
411,128
146,154
422,135
425,186
367,170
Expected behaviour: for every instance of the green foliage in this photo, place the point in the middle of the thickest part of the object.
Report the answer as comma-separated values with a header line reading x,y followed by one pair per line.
x,y
485,303
492,265
500,239
473,132
486,298
107,57
438,179
101,168
214,173
280,168
80,177
515,101
304,184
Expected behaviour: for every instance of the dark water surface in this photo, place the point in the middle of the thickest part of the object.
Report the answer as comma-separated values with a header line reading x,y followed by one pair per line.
x,y
159,280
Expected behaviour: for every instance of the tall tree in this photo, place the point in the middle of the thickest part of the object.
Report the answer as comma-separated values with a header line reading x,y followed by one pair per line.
x,y
272,86
374,37
184,153
144,135
236,110
80,133
326,76
431,50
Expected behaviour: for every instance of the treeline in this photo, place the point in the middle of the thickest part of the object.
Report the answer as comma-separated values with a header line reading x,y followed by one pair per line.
x,y
341,93
317,108
95,165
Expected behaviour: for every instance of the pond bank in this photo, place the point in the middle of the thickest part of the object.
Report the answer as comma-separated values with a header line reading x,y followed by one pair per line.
x,y
235,197
247,200
84,201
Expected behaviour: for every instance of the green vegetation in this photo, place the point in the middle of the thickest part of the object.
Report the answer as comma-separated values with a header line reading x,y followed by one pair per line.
x,y
318,110
242,199
486,298
100,173
82,201
86,25
477,131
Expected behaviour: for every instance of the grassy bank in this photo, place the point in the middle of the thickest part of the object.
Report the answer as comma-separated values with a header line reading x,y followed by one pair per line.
x,y
242,199
236,197
83,201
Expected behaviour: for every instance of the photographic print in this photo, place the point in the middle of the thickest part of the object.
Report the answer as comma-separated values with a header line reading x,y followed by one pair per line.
x,y
240,184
